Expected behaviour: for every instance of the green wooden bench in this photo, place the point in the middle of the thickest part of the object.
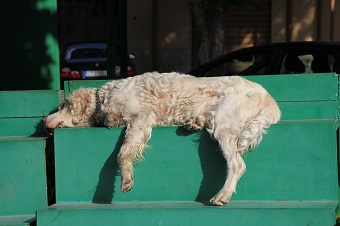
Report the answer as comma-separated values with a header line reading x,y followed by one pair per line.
x,y
291,178
23,149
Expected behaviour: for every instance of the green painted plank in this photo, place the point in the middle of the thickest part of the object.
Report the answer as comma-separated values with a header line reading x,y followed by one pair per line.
x,y
188,213
300,87
239,204
22,176
194,169
18,220
28,103
291,87
309,110
19,139
22,127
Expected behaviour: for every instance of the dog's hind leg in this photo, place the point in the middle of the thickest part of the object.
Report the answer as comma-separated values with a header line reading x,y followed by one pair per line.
x,y
195,123
235,165
137,134
236,168
224,127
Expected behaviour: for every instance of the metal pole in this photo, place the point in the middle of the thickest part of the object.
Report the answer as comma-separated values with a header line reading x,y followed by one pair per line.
x,y
123,37
155,33
111,39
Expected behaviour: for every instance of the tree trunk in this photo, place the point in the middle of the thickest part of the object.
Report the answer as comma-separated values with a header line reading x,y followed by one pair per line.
x,y
208,31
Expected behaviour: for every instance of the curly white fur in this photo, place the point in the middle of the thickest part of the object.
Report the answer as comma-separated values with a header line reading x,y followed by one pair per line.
x,y
235,111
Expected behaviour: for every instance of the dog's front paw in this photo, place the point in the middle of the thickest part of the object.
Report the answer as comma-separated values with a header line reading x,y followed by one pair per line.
x,y
125,187
127,184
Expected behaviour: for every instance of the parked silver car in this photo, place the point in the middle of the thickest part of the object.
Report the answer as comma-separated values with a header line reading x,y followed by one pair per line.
x,y
88,61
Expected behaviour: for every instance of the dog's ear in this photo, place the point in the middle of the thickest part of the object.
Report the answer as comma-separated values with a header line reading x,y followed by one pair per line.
x,y
80,101
77,112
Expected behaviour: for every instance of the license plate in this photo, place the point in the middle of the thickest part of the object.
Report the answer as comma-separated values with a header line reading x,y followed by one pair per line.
x,y
100,73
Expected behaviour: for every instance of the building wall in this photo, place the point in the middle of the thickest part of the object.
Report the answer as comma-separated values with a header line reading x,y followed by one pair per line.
x,y
140,33
173,36
248,25
318,21
159,31
82,21
159,34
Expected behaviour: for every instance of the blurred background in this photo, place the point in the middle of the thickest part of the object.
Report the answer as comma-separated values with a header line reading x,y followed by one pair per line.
x,y
162,35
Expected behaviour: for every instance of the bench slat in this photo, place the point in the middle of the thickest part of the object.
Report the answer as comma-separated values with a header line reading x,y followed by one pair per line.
x,y
262,213
28,103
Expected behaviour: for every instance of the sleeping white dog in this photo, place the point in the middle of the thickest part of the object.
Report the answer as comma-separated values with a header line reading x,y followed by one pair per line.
x,y
235,111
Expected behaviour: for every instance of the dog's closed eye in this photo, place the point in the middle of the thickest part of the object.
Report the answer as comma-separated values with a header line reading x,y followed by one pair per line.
x,y
63,105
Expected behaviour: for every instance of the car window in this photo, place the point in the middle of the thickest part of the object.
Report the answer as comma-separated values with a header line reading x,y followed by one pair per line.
x,y
87,53
245,64
307,62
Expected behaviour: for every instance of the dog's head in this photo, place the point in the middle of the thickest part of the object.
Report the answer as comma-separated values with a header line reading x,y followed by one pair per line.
x,y
76,111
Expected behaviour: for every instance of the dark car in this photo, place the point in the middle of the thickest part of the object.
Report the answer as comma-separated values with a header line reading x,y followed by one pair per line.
x,y
88,61
275,58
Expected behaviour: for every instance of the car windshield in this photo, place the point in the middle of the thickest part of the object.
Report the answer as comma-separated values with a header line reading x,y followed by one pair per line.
x,y
250,63
85,53
88,53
